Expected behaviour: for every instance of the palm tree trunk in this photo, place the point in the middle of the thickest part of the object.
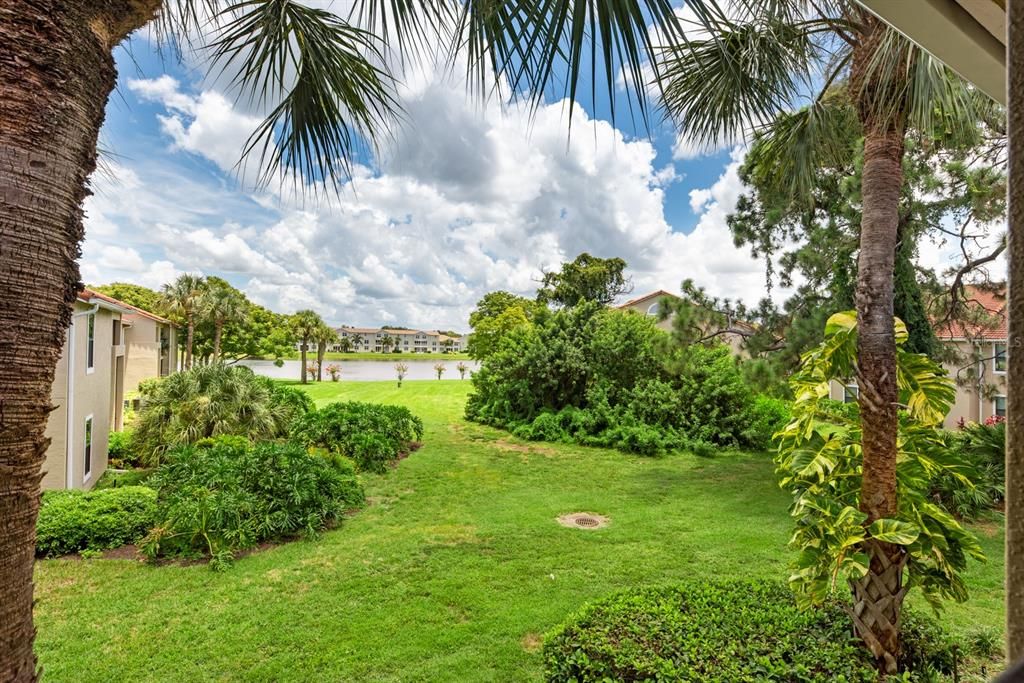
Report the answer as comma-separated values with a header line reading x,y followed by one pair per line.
x,y
303,348
320,349
218,328
56,72
188,341
1015,371
878,597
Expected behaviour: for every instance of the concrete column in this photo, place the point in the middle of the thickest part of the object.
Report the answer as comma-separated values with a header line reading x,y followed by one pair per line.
x,y
1015,371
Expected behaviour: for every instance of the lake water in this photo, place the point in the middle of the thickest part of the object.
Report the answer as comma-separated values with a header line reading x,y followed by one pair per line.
x,y
363,370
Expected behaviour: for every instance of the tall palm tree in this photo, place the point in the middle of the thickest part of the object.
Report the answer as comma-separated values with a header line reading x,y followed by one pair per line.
x,y
328,90
305,324
182,299
222,305
751,72
324,336
357,341
385,343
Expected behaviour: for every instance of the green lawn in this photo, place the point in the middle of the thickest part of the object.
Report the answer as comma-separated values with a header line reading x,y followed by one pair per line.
x,y
450,574
368,355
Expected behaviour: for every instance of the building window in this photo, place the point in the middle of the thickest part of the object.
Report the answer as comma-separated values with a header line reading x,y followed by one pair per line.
x,y
88,449
654,309
90,350
999,406
850,393
999,358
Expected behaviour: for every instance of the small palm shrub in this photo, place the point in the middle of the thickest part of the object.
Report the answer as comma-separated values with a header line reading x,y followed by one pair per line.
x,y
979,483
74,521
213,400
372,435
223,495
711,631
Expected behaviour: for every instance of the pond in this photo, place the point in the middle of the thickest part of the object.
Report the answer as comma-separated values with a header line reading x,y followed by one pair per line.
x,y
363,370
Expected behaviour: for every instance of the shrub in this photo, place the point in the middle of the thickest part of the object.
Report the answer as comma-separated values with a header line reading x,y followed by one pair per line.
x,y
213,400
372,435
767,416
72,521
721,631
121,451
224,495
113,479
980,482
564,378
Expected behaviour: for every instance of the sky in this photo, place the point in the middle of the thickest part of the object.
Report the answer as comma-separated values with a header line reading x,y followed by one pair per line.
x,y
466,198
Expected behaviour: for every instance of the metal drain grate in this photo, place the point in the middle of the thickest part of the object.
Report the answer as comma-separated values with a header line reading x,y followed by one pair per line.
x,y
583,520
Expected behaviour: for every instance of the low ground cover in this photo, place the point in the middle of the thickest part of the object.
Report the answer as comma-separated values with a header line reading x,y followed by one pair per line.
x,y
453,571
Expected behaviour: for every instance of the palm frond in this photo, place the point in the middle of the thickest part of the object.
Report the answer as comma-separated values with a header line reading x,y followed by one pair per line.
x,y
909,84
721,87
320,75
790,151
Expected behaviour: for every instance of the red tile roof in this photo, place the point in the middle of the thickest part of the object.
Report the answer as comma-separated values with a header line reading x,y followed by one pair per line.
x,y
660,293
89,295
988,305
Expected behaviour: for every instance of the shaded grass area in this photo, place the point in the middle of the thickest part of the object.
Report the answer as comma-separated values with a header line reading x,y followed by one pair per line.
x,y
451,573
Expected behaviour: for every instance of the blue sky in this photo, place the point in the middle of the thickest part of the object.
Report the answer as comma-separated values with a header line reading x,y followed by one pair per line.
x,y
467,198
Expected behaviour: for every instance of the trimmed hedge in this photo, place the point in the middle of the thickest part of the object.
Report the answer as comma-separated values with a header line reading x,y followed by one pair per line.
x,y
372,435
72,521
722,631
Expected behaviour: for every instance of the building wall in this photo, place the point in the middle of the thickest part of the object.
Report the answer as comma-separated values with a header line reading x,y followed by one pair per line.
x,y
94,394
968,405
144,350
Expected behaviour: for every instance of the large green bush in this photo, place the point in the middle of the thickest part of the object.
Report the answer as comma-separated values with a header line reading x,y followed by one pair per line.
x,y
723,631
71,521
611,378
213,400
223,495
373,435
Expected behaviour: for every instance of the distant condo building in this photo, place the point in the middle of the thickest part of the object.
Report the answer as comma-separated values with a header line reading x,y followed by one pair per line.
x,y
383,340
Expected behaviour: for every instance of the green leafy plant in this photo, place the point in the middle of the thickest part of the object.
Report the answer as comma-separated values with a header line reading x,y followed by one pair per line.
x,y
372,435
72,521
982,447
212,400
121,451
819,461
223,495
563,379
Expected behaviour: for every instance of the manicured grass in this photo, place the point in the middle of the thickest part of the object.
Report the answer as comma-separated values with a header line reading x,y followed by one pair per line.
x,y
368,355
450,574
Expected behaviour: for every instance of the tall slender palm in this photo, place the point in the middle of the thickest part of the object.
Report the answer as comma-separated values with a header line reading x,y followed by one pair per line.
x,y
305,324
222,305
385,343
183,299
328,90
759,65
357,341
325,335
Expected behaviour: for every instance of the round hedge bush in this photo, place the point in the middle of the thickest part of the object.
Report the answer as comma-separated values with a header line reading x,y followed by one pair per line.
x,y
708,631
70,521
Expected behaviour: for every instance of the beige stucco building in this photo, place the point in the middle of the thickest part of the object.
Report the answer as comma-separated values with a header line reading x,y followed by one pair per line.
x,y
110,348
369,339
651,304
979,365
